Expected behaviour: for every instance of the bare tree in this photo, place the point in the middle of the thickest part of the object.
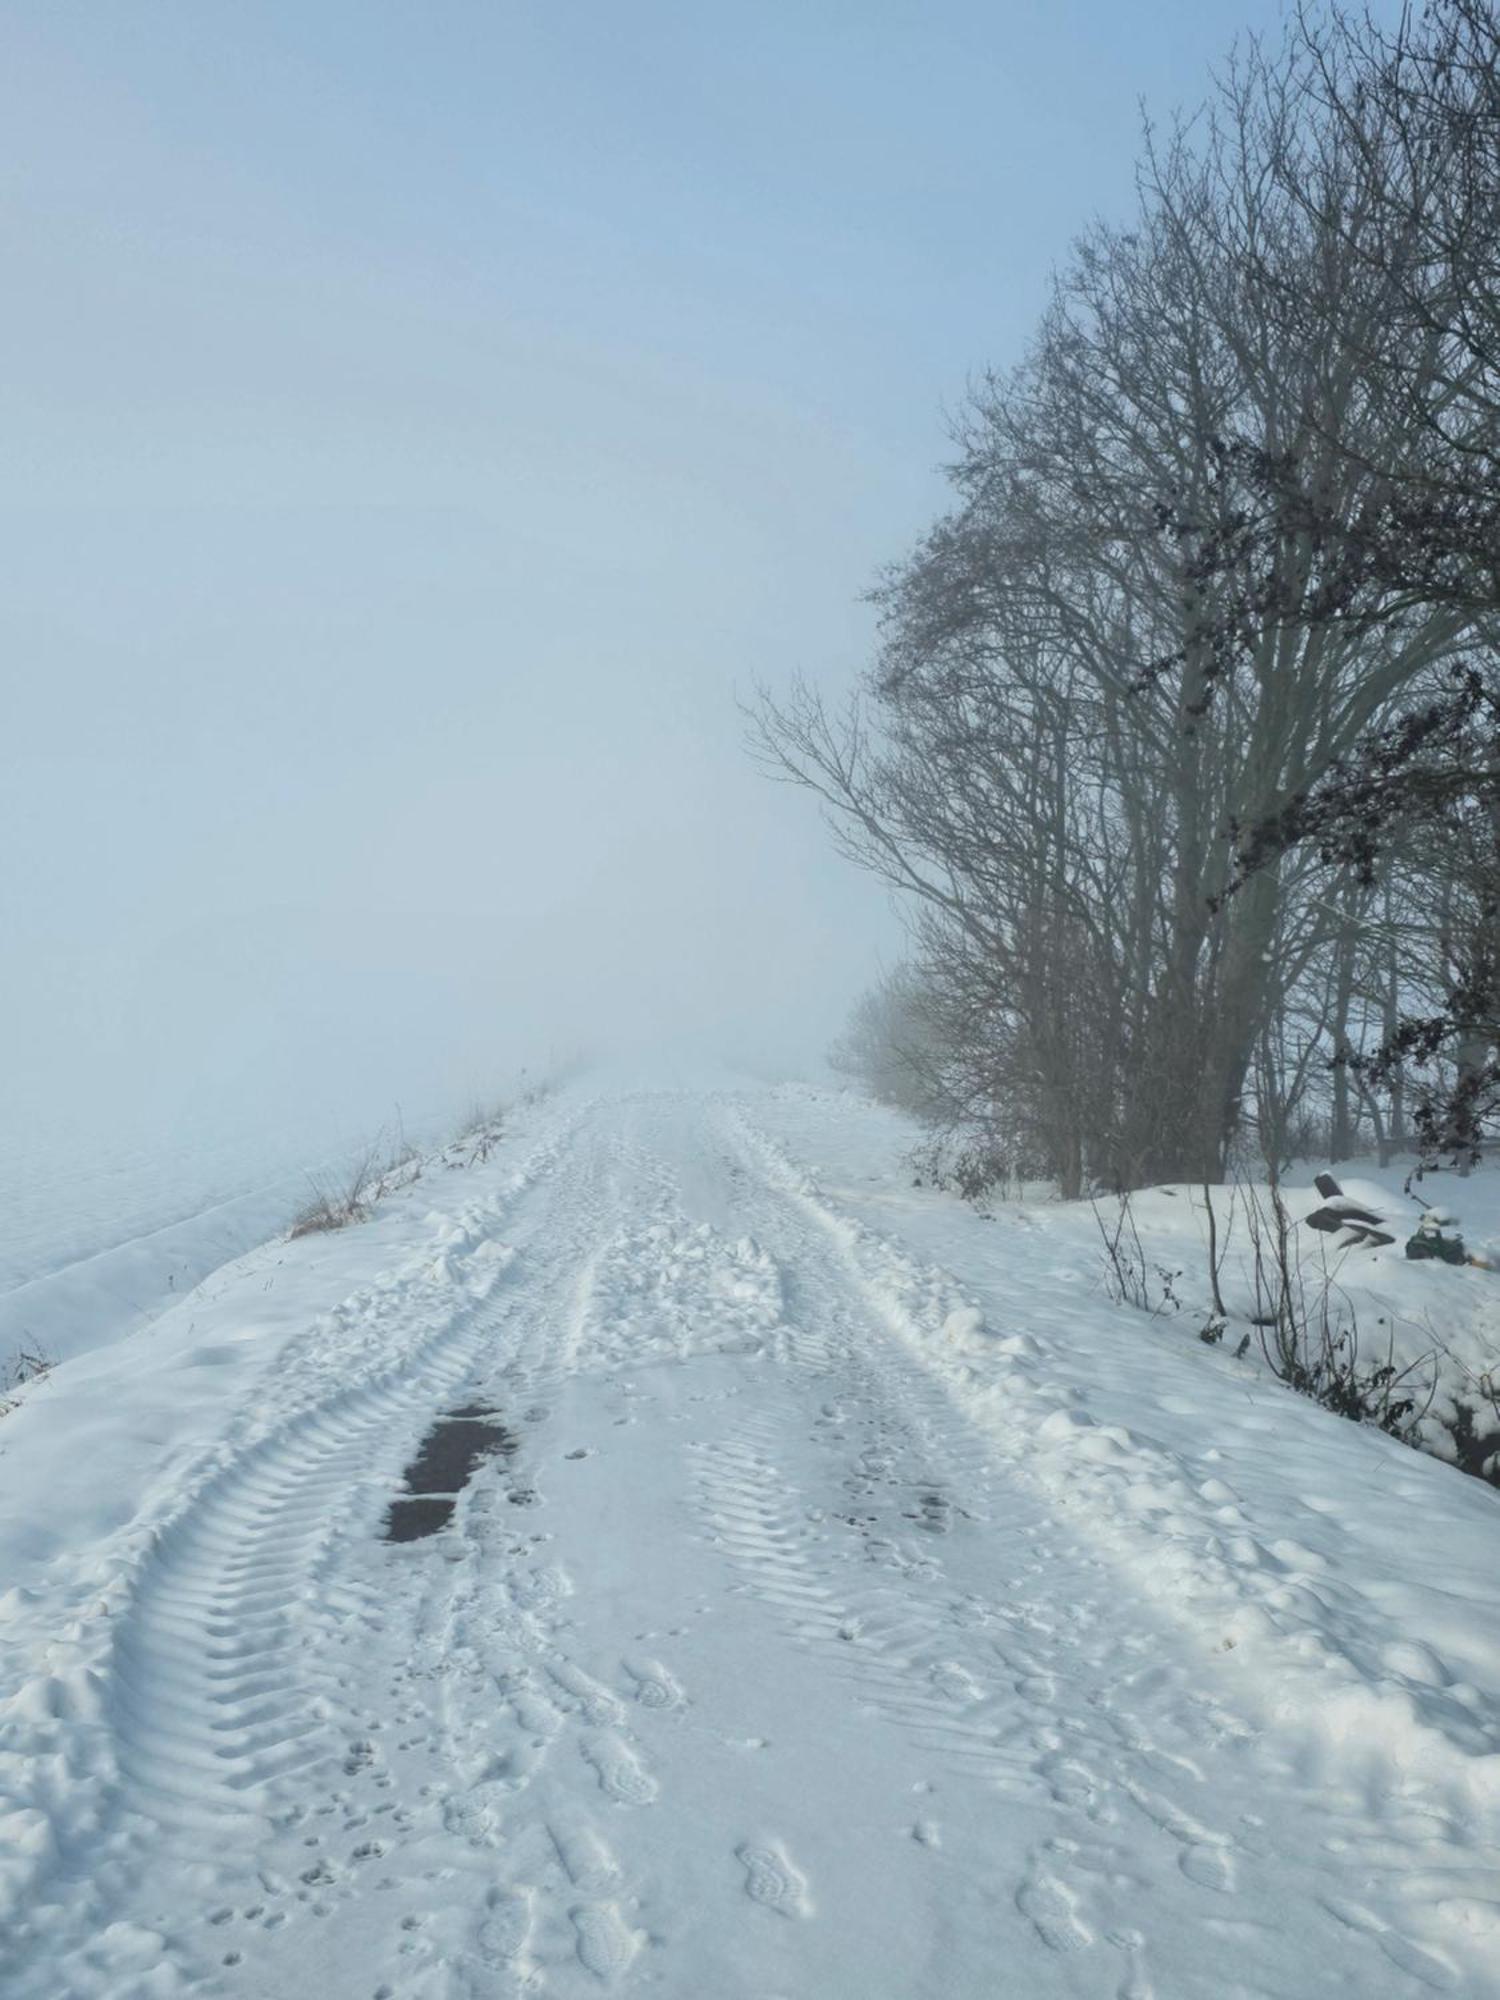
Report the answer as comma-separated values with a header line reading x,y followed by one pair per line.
x,y
1118,650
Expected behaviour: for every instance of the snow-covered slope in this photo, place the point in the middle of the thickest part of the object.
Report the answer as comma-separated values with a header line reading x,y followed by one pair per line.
x,y
860,1605
100,1234
1437,1325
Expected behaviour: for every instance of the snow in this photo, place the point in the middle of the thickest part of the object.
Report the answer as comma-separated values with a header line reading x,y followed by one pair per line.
x,y
101,1235
867,1607
1438,1324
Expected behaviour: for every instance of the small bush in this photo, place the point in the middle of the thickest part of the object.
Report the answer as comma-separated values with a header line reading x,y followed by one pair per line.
x,y
402,1166
27,1364
482,1130
335,1205
384,1169
1309,1334
1307,1327
975,1170
1128,1271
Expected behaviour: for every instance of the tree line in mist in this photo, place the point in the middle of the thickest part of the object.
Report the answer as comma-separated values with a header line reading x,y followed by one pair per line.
x,y
1182,745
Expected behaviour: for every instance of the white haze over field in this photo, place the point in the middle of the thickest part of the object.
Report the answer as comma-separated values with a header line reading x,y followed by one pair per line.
x,y
421,423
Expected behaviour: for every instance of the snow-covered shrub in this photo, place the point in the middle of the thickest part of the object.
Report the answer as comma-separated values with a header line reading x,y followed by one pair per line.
x,y
1309,1331
335,1204
27,1364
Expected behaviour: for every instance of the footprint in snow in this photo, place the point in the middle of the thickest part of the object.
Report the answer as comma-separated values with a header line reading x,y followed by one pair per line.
x,y
585,1858
476,1814
1209,1867
540,1589
1204,1856
605,1942
770,1879
619,1771
595,1702
1053,1911
956,1682
506,1929
654,1686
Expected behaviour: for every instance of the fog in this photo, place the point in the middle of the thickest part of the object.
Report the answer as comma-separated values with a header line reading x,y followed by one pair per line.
x,y
424,424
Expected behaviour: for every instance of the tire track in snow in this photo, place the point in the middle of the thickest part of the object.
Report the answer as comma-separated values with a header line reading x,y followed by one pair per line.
x,y
973,1678
524,1813
221,1695
1116,1779
896,1648
211,1676
566,1758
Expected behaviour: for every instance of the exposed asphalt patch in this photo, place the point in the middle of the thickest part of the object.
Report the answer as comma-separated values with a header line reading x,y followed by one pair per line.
x,y
445,1462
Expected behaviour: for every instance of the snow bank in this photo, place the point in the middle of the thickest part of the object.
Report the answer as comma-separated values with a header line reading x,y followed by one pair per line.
x,y
1348,1583
96,1245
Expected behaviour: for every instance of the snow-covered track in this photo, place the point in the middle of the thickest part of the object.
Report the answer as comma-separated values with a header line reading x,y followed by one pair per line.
x,y
218,1685
756,1662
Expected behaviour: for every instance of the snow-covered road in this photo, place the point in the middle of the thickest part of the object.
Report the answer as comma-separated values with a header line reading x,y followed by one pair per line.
x,y
758,1664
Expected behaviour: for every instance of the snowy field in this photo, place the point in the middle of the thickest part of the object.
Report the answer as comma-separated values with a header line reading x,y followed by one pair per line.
x,y
856,1603
103,1229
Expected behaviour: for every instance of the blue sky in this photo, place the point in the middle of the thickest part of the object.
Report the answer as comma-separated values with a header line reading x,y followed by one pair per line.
x,y
421,421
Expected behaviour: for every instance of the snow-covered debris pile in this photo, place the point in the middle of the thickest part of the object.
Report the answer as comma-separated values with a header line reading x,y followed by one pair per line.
x,y
1353,1225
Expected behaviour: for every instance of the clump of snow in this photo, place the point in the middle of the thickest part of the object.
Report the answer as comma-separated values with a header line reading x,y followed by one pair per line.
x,y
964,1326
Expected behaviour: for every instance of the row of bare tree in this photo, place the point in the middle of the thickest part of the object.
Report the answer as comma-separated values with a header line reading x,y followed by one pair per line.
x,y
1180,745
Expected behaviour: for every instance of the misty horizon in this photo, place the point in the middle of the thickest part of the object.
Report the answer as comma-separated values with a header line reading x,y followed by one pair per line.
x,y
422,439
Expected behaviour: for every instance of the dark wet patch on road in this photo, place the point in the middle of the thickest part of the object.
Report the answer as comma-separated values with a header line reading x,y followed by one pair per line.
x,y
458,1442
